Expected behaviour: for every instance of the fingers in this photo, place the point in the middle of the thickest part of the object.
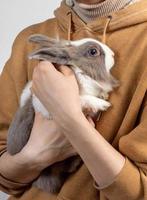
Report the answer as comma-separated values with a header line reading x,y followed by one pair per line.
x,y
90,120
47,67
44,72
65,70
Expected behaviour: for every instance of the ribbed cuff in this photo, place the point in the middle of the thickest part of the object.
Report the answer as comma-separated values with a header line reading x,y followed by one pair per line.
x,y
11,187
109,183
127,185
3,151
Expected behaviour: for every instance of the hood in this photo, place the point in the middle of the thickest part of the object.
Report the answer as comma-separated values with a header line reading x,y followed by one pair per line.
x,y
130,16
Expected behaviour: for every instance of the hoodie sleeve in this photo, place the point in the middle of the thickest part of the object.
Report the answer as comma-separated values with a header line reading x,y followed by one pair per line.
x,y
12,80
131,182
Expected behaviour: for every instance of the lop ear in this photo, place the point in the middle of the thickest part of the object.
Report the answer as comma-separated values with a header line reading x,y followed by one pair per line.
x,y
42,40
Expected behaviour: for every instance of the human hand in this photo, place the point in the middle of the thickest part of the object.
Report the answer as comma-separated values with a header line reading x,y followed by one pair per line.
x,y
90,120
58,91
47,145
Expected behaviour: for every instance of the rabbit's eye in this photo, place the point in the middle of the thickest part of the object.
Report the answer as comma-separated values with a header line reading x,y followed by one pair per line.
x,y
93,52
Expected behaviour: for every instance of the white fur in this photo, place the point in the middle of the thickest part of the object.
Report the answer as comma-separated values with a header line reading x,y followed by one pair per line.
x,y
26,93
89,87
38,106
94,103
88,93
109,54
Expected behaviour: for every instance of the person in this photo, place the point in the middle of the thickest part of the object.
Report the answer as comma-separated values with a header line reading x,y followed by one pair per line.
x,y
113,148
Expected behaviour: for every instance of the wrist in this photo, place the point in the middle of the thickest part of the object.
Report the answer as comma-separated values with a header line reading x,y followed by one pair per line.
x,y
20,170
31,159
71,121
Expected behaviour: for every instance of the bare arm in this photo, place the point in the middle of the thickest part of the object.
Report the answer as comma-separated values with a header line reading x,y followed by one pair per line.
x,y
42,149
63,101
22,168
102,160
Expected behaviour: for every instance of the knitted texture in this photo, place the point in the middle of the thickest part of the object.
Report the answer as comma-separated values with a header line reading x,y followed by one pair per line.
x,y
89,12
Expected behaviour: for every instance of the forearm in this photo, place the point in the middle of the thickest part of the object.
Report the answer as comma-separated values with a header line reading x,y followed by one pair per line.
x,y
18,168
102,160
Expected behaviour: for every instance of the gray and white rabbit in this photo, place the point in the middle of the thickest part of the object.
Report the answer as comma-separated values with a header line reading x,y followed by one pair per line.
x,y
91,61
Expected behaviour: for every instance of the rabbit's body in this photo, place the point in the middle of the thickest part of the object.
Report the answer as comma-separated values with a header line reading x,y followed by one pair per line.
x,y
95,82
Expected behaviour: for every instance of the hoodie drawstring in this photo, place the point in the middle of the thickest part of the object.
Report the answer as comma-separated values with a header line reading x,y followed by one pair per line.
x,y
69,26
69,14
105,29
103,40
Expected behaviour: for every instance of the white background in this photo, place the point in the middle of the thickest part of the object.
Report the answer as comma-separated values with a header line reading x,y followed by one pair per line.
x,y
15,15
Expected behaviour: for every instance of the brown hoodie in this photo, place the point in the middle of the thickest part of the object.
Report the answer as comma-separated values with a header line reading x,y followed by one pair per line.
x,y
124,125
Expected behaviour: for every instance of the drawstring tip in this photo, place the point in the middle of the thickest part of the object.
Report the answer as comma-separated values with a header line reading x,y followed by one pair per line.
x,y
105,28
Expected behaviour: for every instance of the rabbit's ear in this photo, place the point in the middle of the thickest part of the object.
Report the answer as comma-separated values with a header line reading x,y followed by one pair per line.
x,y
52,54
42,40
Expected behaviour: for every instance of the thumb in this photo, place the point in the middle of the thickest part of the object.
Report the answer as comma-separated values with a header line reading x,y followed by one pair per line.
x,y
65,70
47,67
90,120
